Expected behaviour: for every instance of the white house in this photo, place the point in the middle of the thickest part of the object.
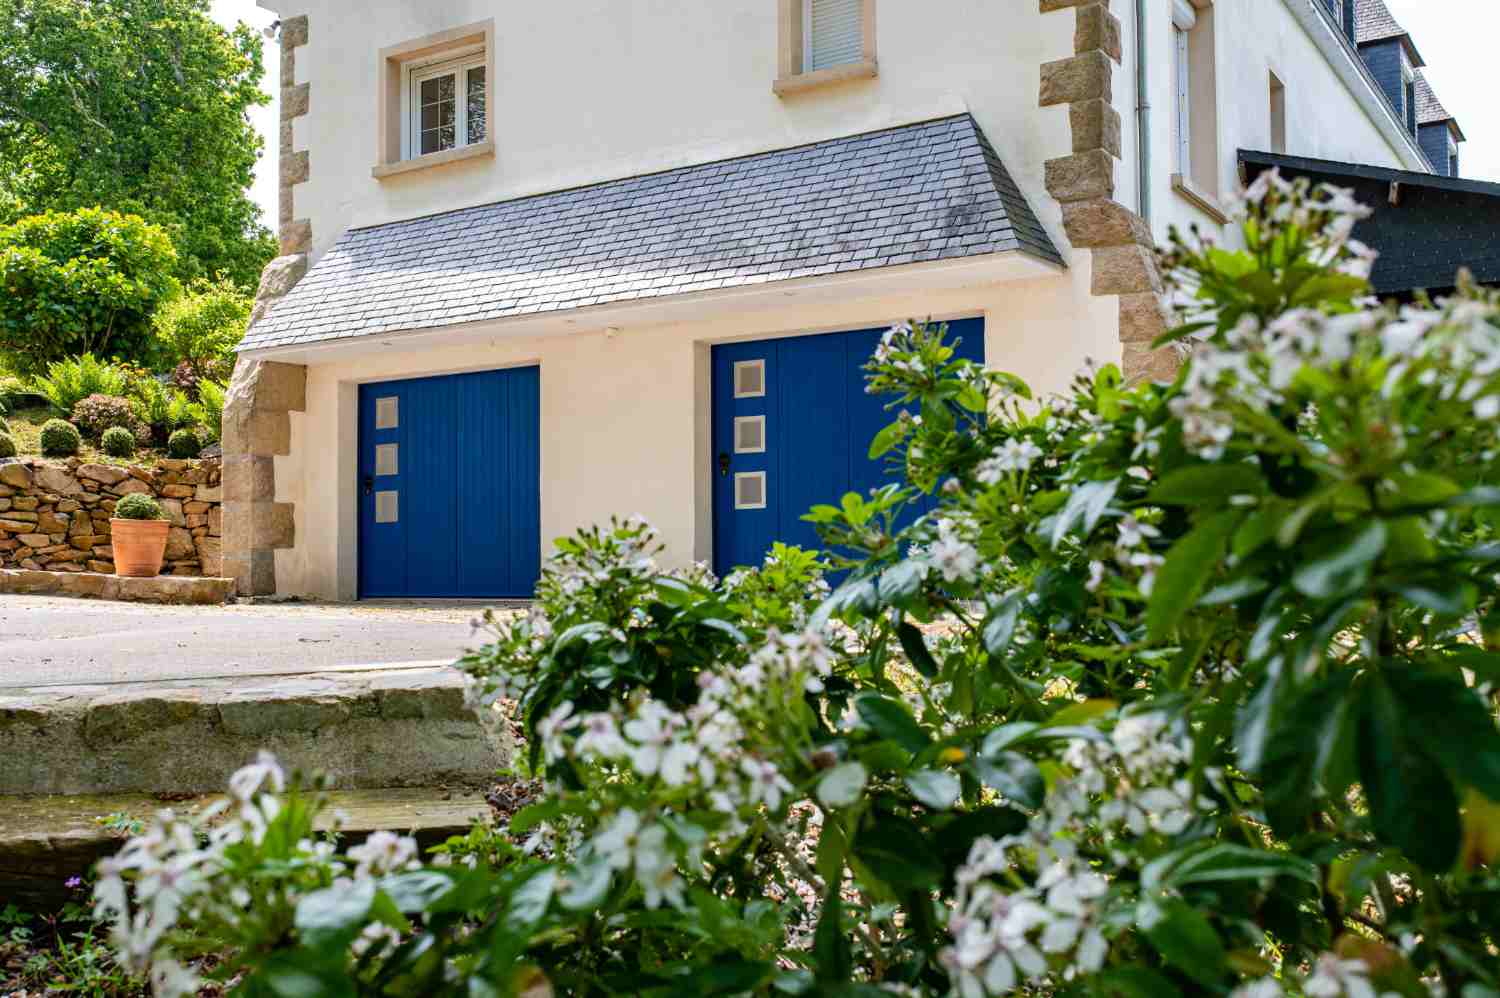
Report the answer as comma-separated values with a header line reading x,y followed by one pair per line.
x,y
545,263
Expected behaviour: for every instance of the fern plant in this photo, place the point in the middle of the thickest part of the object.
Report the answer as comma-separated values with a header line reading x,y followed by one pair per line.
x,y
208,411
69,382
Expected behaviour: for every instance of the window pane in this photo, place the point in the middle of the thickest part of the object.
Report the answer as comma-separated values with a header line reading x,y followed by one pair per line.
x,y
438,121
478,119
835,33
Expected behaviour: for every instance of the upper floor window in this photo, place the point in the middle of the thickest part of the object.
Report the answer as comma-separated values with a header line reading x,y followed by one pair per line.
x,y
435,103
822,42
833,33
1408,93
1452,155
1196,175
447,106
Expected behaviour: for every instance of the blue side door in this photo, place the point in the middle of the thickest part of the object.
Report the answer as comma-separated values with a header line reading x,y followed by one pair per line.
x,y
792,426
450,486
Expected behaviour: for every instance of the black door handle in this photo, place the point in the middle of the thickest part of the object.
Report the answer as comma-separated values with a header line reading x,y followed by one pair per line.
x,y
724,463
369,484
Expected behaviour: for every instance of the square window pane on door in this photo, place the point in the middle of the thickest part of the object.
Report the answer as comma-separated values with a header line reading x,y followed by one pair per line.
x,y
388,413
387,459
749,379
386,507
750,434
750,490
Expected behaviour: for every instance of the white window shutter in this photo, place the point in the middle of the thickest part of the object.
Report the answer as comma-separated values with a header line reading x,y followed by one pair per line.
x,y
835,33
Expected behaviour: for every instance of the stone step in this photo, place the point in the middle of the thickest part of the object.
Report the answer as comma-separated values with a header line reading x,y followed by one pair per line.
x,y
386,728
177,590
46,840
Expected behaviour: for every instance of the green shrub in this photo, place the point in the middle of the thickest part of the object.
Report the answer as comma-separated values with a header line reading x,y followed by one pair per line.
x,y
60,438
201,328
97,413
137,506
17,394
82,280
161,408
69,382
208,411
7,445
118,441
184,443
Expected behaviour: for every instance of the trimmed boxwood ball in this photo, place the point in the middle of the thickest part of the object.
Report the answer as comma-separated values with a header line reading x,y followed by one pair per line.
x,y
137,506
60,438
184,443
118,442
7,445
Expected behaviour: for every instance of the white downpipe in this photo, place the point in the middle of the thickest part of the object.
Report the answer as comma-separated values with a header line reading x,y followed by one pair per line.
x,y
1142,118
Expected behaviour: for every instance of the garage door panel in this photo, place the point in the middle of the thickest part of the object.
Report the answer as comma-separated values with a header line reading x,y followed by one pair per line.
x,y
469,483
819,425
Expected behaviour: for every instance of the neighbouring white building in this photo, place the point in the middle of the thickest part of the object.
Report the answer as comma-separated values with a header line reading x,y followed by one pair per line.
x,y
545,263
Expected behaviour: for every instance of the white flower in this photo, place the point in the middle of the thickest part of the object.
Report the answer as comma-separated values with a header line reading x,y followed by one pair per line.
x,y
655,869
1333,977
954,559
615,842
263,772
766,782
1487,407
1096,576
651,730
383,852
1133,532
550,729
601,737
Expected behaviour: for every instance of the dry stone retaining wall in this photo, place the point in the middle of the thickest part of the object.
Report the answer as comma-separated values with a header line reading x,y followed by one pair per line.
x,y
54,515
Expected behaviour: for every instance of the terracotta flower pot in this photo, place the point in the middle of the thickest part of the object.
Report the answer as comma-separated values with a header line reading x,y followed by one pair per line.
x,y
139,545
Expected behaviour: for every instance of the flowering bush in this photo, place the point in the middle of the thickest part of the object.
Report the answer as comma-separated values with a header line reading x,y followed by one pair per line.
x,y
97,413
1179,689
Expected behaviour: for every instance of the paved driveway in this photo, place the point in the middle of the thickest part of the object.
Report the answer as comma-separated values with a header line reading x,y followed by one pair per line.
x,y
48,641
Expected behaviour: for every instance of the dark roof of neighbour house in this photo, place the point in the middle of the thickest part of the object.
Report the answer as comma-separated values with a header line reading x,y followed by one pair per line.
x,y
929,191
1374,22
1430,110
1437,225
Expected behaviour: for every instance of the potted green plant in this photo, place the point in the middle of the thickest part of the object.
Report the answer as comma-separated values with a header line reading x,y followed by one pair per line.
x,y
138,534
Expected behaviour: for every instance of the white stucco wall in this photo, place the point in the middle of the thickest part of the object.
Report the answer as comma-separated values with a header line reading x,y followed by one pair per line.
x,y
624,416
595,90
1253,38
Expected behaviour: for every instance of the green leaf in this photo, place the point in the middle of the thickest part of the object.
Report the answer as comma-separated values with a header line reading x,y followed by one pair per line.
x,y
898,852
1190,563
1015,776
528,903
843,785
887,440
899,583
916,649
1086,504
1185,940
937,788
1005,736
834,961
892,720
415,890
335,912
1207,485
1134,982
1000,626
1220,862
1306,733
1453,724
1344,568
1413,805
833,845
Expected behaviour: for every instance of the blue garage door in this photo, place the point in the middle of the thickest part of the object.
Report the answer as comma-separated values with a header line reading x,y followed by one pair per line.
x,y
450,486
792,429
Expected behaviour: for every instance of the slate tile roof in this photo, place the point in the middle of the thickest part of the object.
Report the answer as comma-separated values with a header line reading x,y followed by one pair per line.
x,y
1429,108
1373,22
929,191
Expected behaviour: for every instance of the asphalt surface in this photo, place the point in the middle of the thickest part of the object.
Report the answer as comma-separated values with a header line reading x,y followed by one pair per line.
x,y
52,641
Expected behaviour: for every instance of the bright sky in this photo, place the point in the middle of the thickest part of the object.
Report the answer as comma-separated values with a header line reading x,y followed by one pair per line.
x,y
1456,37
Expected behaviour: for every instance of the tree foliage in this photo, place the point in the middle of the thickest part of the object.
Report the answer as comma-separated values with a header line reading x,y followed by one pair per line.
x,y
1180,689
202,328
139,106
78,283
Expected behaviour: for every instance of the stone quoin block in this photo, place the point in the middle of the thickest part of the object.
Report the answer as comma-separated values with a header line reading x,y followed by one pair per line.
x,y
1095,125
1122,270
1097,29
1081,176
1102,222
1088,76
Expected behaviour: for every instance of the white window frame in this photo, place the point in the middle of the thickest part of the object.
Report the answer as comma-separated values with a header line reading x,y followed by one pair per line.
x,y
452,64
1184,20
1452,155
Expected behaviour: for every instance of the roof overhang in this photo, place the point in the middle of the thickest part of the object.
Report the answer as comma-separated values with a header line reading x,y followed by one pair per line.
x,y
702,307
1344,57
1424,226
